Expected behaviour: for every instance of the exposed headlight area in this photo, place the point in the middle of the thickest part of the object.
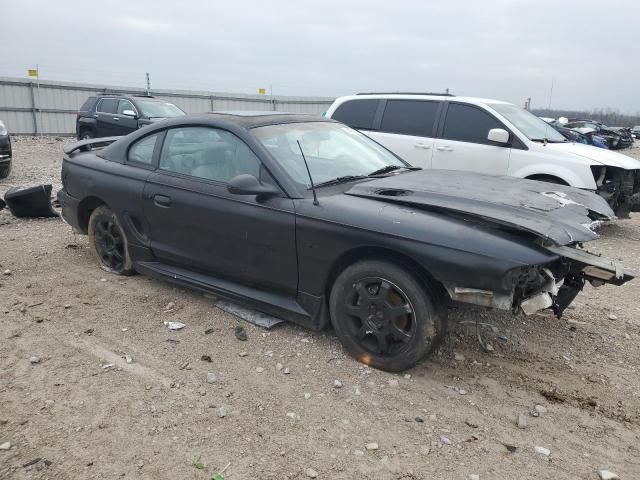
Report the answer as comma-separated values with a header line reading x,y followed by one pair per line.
x,y
619,187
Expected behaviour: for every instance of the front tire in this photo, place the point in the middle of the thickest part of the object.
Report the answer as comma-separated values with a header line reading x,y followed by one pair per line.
x,y
385,316
109,242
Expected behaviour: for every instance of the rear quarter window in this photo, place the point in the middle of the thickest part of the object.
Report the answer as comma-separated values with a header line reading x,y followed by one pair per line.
x,y
88,104
357,113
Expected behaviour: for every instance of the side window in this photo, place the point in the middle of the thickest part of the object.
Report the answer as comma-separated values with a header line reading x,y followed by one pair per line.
x,y
125,105
142,150
409,117
108,105
468,124
357,113
207,153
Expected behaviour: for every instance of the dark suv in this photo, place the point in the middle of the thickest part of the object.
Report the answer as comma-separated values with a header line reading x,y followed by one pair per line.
x,y
5,151
114,115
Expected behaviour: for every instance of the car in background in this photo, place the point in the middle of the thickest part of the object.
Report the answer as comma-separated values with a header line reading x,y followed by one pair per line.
x,y
617,137
585,136
442,131
307,219
635,131
5,151
116,115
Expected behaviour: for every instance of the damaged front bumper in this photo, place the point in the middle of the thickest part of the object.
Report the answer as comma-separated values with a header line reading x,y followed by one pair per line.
x,y
553,286
619,187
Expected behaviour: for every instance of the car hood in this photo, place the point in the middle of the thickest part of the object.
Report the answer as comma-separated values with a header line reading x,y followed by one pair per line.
x,y
564,215
597,155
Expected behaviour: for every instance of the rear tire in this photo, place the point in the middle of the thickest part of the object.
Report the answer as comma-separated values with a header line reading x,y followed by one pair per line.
x,y
5,170
86,135
109,242
385,316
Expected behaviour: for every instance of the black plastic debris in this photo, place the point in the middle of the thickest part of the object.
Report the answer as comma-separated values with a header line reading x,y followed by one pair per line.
x,y
2,204
33,202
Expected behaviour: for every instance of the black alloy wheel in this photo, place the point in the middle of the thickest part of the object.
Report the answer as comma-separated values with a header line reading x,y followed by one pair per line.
x,y
385,315
109,242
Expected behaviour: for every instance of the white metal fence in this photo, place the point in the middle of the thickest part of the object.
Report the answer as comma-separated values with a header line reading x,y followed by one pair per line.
x,y
47,107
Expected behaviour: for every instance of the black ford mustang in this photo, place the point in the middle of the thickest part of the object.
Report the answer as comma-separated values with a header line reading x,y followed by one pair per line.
x,y
225,203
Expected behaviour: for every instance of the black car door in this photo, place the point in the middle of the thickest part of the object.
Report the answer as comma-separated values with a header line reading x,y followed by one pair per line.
x,y
196,223
106,109
125,120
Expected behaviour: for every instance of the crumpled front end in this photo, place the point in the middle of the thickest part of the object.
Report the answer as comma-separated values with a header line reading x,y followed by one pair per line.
x,y
619,187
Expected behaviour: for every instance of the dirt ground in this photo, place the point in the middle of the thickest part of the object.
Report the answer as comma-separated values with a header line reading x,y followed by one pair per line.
x,y
71,416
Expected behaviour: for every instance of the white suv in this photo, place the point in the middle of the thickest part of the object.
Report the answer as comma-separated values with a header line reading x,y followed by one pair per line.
x,y
488,136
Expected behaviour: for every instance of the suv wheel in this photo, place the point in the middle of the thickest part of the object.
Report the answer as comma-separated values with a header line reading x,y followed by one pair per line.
x,y
108,242
87,135
385,316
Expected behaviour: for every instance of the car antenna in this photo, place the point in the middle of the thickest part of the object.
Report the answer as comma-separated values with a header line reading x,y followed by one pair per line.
x,y
313,188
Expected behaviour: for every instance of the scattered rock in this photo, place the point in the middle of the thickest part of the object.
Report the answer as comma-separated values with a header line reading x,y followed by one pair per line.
x,y
206,358
34,359
259,369
5,446
627,336
458,357
279,366
209,331
407,376
202,391
471,423
243,354
371,446
168,307
286,371
293,415
212,377
307,396
128,358
311,473
510,447
222,412
240,333
67,305
522,421
89,331
473,476
174,325
337,384
392,382
607,475
7,272
419,419
445,440
542,451
539,410
612,316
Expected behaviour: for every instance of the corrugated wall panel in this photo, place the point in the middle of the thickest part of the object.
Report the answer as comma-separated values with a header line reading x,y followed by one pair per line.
x,y
61,100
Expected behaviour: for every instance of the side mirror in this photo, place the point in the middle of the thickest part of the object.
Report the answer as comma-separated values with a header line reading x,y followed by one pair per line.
x,y
498,135
249,185
129,113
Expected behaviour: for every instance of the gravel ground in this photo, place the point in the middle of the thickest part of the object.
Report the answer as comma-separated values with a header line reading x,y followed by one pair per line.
x,y
68,415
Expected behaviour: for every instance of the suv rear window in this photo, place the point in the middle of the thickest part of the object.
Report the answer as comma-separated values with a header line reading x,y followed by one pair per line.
x,y
357,113
108,105
409,117
465,123
88,104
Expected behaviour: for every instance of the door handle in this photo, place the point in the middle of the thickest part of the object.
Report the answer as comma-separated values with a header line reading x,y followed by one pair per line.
x,y
162,201
426,146
96,115
116,119
444,148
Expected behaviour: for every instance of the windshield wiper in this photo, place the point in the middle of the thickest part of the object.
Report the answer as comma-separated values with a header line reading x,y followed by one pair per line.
x,y
339,180
390,168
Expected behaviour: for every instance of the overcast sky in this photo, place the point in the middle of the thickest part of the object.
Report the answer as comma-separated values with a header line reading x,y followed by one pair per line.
x,y
503,49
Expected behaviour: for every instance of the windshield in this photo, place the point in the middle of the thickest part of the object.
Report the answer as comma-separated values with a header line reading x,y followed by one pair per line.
x,y
155,109
332,150
531,126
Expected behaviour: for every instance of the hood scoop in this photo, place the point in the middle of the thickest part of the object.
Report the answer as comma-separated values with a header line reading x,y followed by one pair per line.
x,y
394,192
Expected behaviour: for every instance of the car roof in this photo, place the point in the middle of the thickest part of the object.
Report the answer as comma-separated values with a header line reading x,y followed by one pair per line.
x,y
253,118
130,96
421,96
